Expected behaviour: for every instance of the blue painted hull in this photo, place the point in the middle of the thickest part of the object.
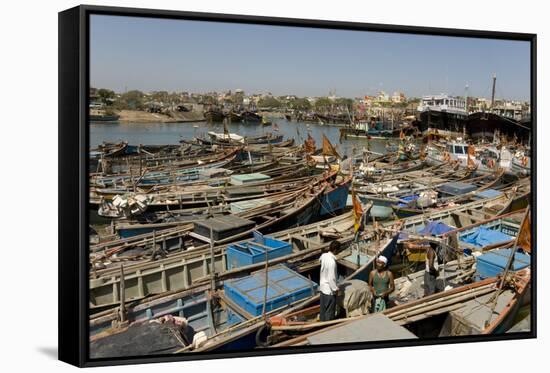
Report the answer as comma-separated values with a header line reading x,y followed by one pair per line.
x,y
335,200
381,207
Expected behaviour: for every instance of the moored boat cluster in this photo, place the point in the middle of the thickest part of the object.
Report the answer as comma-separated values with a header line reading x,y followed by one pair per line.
x,y
214,244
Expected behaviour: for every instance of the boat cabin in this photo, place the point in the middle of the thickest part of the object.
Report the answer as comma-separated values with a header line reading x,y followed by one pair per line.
x,y
451,104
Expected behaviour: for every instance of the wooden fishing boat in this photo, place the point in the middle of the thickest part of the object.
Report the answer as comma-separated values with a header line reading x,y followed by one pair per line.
x,y
270,138
209,193
104,279
448,194
213,115
112,149
477,308
234,116
191,266
160,220
486,234
292,209
453,274
258,327
387,193
153,173
374,171
250,117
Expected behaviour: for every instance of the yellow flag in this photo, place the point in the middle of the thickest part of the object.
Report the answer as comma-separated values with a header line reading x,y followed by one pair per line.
x,y
328,148
357,211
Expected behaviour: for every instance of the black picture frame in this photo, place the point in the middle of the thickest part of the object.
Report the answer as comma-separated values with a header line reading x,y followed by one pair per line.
x,y
73,181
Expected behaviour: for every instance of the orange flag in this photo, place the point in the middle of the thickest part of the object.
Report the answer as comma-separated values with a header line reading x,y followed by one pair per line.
x,y
357,211
328,148
524,235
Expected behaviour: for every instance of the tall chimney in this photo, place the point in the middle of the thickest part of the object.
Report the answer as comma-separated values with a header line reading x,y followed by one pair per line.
x,y
493,92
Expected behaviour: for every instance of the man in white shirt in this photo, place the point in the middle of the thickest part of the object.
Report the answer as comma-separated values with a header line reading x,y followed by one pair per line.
x,y
327,282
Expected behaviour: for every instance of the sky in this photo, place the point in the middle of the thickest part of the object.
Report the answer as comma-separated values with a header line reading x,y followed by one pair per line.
x,y
178,55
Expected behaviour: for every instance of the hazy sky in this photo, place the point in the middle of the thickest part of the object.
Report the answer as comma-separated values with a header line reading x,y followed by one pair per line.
x,y
176,55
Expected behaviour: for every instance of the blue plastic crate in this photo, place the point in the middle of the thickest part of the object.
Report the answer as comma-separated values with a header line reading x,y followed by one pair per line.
x,y
283,288
493,263
247,253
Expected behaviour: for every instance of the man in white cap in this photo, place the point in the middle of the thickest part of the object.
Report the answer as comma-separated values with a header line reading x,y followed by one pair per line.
x,y
381,284
327,282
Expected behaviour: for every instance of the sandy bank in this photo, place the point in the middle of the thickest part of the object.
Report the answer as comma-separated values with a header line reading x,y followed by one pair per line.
x,y
136,116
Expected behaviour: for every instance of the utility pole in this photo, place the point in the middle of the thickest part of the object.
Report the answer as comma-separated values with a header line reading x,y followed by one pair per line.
x,y
466,98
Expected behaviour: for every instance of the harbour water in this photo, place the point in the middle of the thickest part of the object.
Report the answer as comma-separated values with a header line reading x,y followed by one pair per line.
x,y
172,133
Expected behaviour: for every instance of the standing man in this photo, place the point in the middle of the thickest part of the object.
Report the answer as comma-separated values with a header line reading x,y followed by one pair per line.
x,y
381,284
327,282
432,270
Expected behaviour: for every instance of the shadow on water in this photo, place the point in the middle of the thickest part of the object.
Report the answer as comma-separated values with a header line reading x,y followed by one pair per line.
x,y
49,351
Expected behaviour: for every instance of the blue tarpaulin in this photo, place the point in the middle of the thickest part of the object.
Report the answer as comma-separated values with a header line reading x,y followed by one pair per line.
x,y
435,228
488,193
407,199
483,237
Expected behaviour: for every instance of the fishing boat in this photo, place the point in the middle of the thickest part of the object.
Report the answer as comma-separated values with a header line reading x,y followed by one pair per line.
x,y
478,308
269,138
521,163
288,210
486,306
484,158
192,264
250,117
207,315
261,328
372,130
174,193
448,194
234,116
214,115
443,115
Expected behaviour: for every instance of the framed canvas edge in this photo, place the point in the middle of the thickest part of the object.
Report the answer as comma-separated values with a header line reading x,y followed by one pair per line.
x,y
73,288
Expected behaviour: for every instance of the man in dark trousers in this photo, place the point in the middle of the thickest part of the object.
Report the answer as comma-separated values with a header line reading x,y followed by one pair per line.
x,y
327,283
432,270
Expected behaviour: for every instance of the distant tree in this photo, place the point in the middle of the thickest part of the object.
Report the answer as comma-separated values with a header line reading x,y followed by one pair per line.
x,y
160,96
300,104
345,103
323,103
130,100
106,96
268,101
